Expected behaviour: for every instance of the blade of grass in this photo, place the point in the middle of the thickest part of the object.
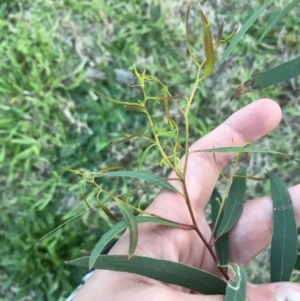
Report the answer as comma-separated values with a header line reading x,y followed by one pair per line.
x,y
279,17
243,30
159,269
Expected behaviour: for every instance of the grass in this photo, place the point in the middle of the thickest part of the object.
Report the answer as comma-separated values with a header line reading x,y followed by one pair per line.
x,y
53,54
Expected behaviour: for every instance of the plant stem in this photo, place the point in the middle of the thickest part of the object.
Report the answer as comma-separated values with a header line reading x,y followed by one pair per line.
x,y
196,228
158,144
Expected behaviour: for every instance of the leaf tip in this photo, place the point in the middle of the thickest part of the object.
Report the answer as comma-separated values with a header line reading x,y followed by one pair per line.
x,y
244,88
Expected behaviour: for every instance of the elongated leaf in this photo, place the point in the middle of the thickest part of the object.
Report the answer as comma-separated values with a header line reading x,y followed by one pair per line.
x,y
270,77
159,269
142,175
132,136
132,226
277,74
226,40
284,239
117,229
220,32
236,289
243,149
61,225
143,156
297,264
279,17
107,211
208,46
234,203
132,105
243,30
222,247
222,244
111,168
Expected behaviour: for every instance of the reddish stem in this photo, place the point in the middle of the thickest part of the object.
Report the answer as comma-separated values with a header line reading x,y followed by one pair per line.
x,y
196,228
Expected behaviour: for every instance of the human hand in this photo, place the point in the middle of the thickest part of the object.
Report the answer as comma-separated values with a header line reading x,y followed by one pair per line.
x,y
251,234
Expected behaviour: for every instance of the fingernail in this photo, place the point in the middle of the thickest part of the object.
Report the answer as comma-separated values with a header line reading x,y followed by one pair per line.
x,y
286,293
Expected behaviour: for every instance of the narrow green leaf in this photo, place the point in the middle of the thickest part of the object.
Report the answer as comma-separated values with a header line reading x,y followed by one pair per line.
x,y
279,17
277,74
284,239
143,156
222,247
233,204
243,149
227,39
112,167
168,134
106,211
117,229
132,226
220,32
236,289
297,264
135,107
208,45
2,153
243,30
222,244
142,175
61,225
159,269
131,137
270,77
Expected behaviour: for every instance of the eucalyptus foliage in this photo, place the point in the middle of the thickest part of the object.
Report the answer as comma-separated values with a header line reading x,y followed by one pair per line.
x,y
58,110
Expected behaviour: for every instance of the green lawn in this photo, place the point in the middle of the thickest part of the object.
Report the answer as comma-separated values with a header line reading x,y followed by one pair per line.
x,y
53,55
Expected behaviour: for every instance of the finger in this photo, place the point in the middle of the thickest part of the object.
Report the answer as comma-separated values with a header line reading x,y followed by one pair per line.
x,y
283,291
112,286
246,125
253,231
120,286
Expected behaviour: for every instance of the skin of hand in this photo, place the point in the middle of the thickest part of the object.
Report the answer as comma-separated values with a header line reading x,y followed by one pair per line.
x,y
251,234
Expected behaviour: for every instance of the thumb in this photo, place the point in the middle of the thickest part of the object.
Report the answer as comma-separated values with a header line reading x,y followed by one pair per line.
x,y
282,291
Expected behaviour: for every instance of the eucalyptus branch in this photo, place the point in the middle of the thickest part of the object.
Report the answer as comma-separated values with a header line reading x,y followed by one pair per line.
x,y
164,155
198,231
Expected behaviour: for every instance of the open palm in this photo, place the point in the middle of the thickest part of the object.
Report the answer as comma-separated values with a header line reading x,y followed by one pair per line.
x,y
250,235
